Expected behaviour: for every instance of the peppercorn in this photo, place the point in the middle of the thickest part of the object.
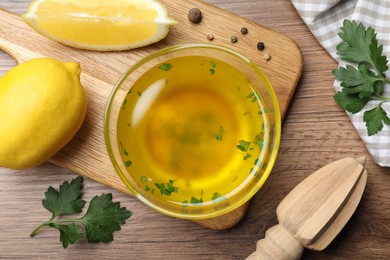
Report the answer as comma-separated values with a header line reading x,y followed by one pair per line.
x,y
244,30
210,37
195,15
260,46
267,57
233,39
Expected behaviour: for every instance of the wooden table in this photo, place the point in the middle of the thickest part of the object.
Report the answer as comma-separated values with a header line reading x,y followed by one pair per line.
x,y
315,132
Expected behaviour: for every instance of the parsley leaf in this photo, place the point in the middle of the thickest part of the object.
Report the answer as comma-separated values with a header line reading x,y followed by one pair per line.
x,y
69,234
247,156
366,82
213,65
379,61
356,42
66,200
167,188
357,81
128,163
103,216
196,200
259,141
165,66
374,119
216,195
351,103
243,145
218,135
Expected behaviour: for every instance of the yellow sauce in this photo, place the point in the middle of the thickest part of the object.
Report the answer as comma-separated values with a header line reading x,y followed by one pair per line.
x,y
192,130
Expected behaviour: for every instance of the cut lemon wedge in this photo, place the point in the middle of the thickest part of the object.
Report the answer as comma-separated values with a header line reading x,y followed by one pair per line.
x,y
100,24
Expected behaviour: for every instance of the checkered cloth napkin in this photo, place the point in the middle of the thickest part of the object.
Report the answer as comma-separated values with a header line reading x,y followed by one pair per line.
x,y
324,18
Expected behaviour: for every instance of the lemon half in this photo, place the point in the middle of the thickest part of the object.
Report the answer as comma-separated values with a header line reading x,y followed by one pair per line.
x,y
42,106
100,24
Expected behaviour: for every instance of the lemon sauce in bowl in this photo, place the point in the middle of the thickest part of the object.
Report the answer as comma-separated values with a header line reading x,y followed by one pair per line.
x,y
191,130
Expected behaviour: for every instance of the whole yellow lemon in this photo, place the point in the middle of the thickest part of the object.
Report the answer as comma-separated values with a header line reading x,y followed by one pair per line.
x,y
42,106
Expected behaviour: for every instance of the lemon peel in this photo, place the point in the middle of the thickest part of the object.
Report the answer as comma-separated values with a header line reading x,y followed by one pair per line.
x,y
42,106
99,24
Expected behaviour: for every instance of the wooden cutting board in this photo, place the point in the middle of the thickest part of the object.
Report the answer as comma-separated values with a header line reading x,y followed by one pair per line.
x,y
86,153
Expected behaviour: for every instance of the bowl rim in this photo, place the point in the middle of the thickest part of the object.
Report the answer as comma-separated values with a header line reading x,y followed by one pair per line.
x,y
272,153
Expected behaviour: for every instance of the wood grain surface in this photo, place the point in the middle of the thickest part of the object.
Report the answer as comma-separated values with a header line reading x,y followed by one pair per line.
x,y
86,153
315,132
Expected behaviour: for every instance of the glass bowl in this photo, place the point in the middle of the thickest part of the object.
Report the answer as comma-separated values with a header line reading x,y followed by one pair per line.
x,y
193,130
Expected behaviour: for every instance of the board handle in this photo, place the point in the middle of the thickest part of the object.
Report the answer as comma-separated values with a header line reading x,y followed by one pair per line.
x,y
15,37
279,244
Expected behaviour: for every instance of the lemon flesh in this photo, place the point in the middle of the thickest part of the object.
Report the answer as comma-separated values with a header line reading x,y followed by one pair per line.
x,y
42,106
100,24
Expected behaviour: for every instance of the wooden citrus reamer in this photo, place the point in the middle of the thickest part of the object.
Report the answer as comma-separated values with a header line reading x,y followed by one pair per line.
x,y
315,211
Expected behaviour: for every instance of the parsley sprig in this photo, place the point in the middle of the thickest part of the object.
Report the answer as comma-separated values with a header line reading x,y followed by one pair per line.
x,y
102,218
366,82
